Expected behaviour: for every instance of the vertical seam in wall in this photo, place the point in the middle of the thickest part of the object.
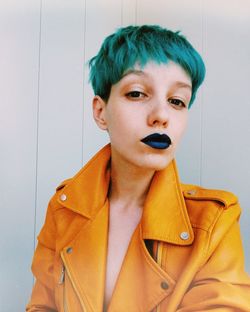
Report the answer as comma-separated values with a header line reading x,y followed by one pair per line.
x,y
122,13
136,8
84,71
37,128
202,94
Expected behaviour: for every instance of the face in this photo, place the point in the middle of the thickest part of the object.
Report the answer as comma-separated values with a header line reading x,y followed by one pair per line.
x,y
145,106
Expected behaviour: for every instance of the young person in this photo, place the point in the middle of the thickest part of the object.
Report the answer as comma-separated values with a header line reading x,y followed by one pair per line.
x,y
124,234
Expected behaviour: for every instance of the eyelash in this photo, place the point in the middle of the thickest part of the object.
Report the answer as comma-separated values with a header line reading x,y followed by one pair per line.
x,y
133,95
177,102
136,95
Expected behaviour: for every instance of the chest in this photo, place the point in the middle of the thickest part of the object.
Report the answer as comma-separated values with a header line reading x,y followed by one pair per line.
x,y
121,229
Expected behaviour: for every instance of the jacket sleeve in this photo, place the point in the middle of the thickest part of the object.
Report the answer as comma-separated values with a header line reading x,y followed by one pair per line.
x,y
42,297
221,284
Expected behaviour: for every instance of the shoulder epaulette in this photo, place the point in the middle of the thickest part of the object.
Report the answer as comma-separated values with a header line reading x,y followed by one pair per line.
x,y
65,182
197,193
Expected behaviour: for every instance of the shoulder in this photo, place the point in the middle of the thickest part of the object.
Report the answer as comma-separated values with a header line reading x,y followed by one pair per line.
x,y
54,203
207,206
196,193
59,218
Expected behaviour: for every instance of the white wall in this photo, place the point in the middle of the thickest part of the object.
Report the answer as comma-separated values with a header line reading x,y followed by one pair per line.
x,y
46,130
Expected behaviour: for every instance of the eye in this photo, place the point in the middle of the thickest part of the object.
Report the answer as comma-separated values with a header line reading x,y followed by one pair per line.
x,y
135,95
177,102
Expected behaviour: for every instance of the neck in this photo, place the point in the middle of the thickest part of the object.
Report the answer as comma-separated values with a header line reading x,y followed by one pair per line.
x,y
129,184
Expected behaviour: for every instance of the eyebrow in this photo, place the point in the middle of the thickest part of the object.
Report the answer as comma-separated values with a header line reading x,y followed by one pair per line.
x,y
178,84
181,84
135,72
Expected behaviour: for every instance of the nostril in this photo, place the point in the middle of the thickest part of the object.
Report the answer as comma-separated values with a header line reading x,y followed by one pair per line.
x,y
158,122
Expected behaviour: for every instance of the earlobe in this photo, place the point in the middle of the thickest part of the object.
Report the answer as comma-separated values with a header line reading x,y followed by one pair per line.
x,y
99,109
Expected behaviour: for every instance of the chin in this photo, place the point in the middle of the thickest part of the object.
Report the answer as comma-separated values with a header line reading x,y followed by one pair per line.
x,y
159,167
157,163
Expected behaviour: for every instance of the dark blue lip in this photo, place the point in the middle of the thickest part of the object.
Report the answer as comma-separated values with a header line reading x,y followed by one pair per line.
x,y
157,140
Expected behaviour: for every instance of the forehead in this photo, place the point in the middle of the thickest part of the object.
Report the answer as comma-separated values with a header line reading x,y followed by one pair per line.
x,y
161,73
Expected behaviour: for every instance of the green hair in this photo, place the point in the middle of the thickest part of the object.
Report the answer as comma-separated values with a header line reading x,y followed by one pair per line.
x,y
140,44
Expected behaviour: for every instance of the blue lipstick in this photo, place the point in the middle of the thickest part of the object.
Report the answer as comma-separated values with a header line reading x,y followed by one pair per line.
x,y
157,140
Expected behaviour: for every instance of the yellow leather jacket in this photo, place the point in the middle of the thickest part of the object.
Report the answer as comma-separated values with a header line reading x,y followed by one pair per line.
x,y
185,255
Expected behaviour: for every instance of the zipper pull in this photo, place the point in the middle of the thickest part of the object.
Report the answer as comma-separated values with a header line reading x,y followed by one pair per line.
x,y
61,280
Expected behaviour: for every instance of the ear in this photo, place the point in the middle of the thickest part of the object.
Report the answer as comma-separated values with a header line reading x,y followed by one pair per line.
x,y
99,109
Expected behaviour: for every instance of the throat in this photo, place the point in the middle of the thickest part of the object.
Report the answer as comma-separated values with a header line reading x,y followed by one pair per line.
x,y
129,185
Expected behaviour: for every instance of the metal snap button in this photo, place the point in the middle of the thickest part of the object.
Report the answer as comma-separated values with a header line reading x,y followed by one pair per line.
x,y
63,197
184,235
69,250
164,285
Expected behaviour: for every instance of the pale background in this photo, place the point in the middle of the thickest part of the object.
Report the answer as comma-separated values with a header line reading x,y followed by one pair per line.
x,y
46,131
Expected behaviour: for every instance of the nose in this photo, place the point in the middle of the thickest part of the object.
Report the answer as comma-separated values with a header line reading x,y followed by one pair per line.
x,y
158,115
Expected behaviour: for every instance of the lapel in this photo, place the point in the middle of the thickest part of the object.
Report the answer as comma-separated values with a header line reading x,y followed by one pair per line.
x,y
86,261
165,216
140,284
87,191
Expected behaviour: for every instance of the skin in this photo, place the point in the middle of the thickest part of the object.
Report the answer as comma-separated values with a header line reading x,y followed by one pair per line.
x,y
152,99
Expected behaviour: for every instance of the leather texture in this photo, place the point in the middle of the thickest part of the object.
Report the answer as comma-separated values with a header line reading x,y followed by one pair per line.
x,y
196,262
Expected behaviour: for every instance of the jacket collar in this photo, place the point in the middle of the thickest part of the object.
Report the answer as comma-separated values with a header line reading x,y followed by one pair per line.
x,y
87,191
165,215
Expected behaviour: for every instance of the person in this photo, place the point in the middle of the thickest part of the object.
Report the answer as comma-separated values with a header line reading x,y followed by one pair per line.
x,y
124,234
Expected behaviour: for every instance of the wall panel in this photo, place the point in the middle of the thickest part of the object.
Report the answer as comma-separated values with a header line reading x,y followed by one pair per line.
x,y
226,121
129,12
19,63
60,97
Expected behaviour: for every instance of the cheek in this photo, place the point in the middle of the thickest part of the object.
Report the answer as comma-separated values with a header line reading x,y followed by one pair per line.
x,y
113,120
184,125
181,125
118,128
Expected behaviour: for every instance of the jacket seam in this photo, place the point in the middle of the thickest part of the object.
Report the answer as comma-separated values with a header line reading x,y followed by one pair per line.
x,y
209,232
181,202
196,226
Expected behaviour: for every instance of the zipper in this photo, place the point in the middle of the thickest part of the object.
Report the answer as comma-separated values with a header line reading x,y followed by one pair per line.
x,y
62,276
159,252
62,280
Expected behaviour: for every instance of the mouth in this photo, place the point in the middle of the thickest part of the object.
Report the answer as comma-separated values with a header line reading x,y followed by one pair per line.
x,y
157,140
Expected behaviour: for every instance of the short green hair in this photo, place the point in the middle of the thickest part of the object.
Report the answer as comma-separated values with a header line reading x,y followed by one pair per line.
x,y
140,44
